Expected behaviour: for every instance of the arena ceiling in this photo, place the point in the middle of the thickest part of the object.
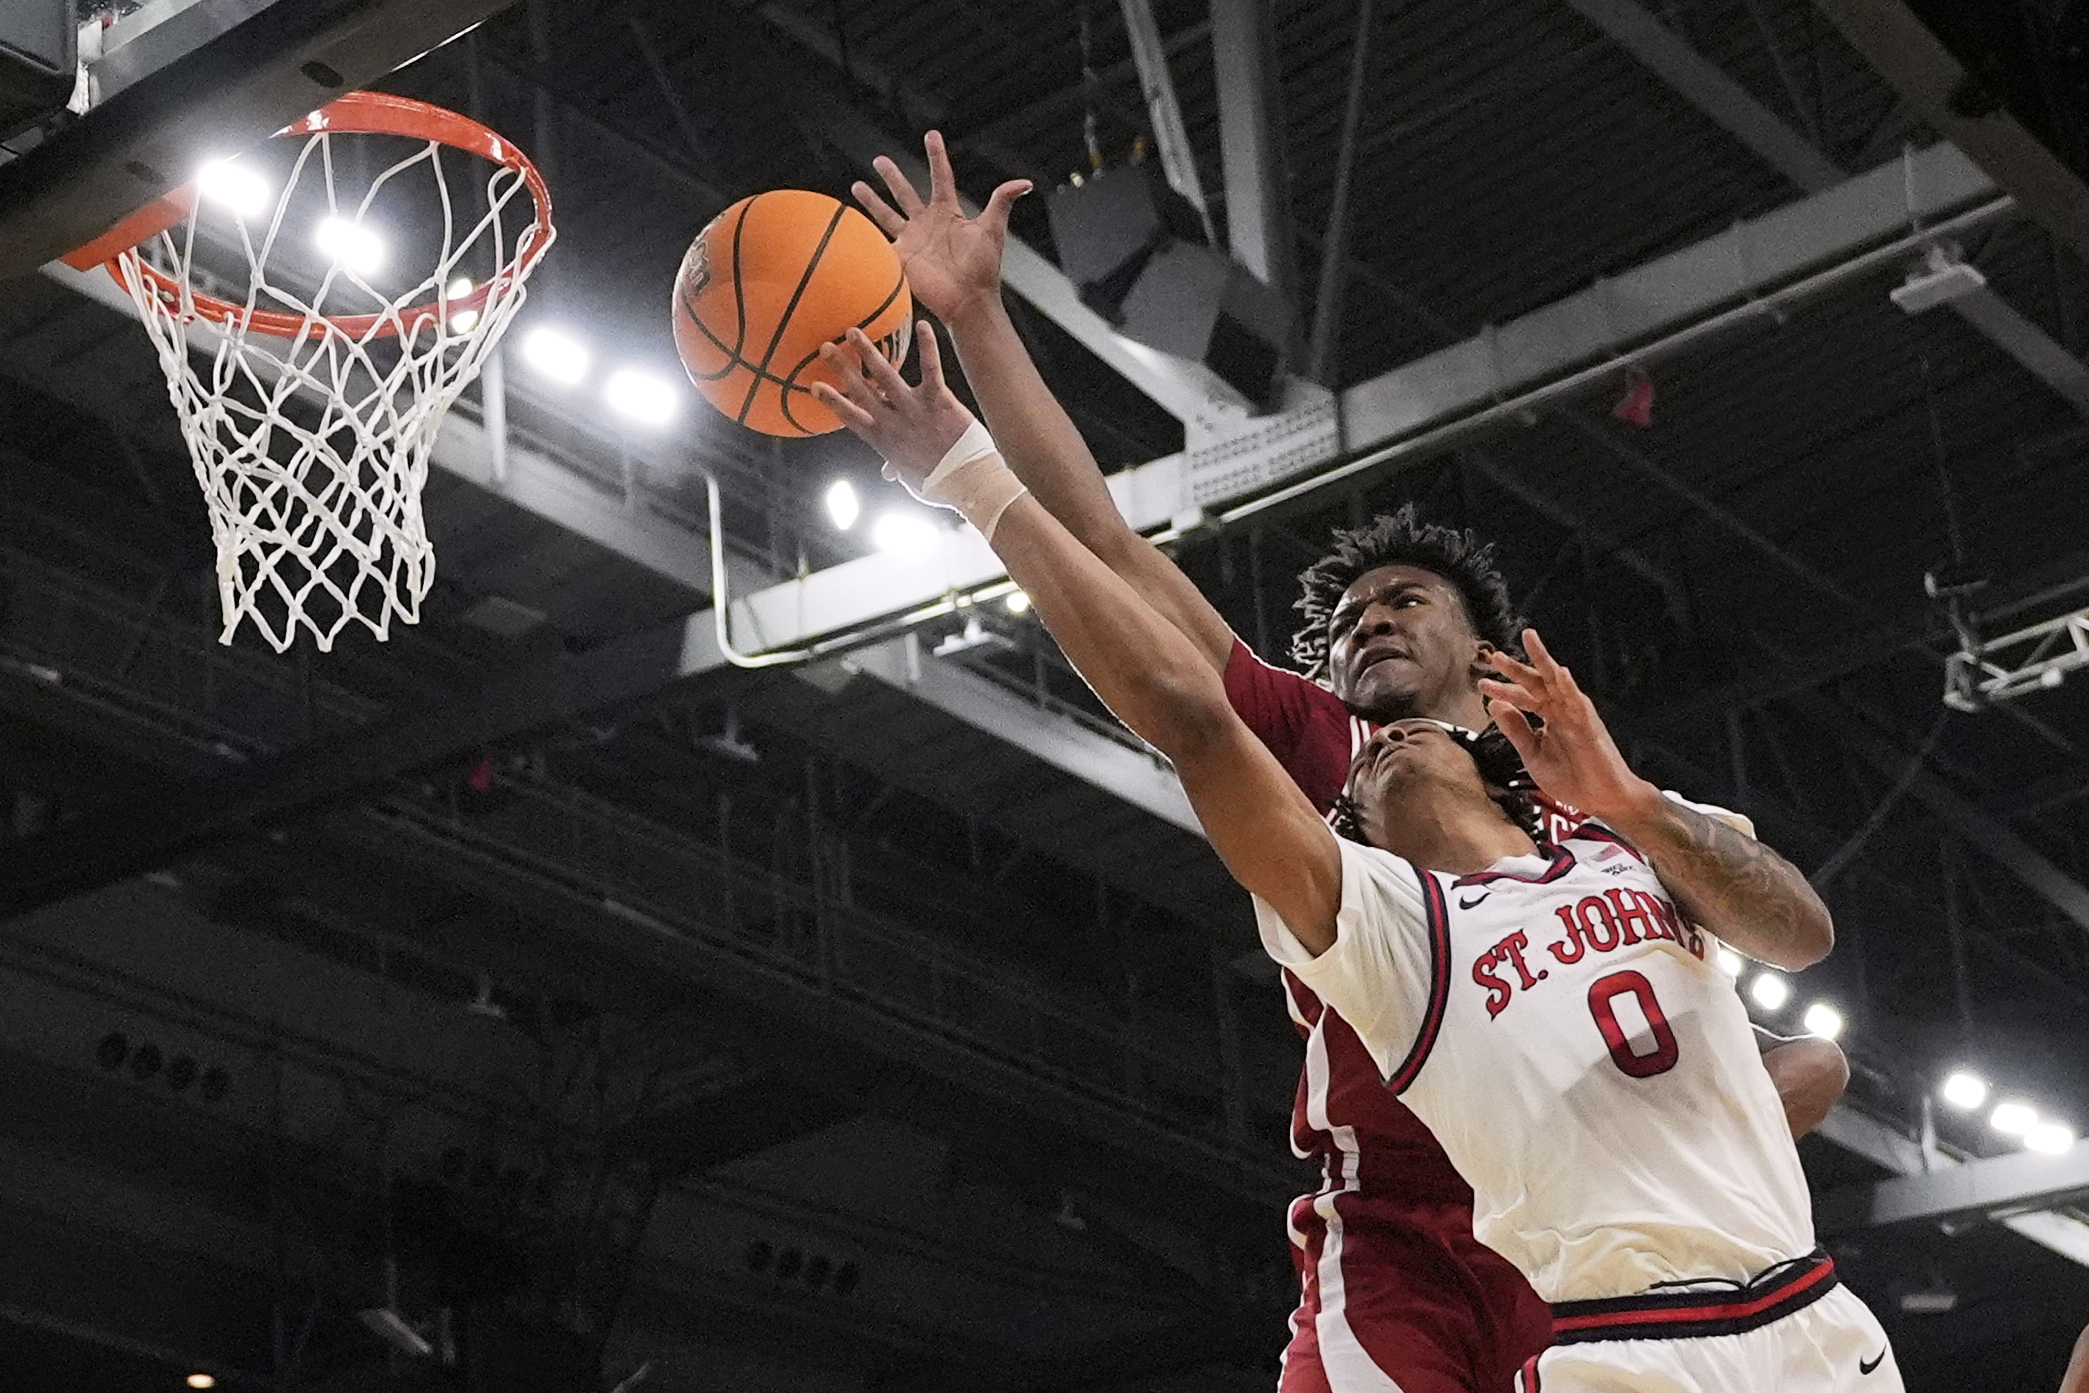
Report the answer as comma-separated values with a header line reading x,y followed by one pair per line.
x,y
659,993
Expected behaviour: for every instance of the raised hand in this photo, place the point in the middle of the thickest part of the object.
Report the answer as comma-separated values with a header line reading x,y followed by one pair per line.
x,y
1571,755
952,261
912,427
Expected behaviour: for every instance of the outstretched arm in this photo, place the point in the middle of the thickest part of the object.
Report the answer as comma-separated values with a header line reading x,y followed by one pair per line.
x,y
1139,663
953,264
1810,1074
1730,883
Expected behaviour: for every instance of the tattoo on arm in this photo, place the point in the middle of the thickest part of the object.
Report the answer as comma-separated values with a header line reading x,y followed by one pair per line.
x,y
1735,886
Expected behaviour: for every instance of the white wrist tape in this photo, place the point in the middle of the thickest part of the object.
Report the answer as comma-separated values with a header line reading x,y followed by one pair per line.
x,y
974,479
974,443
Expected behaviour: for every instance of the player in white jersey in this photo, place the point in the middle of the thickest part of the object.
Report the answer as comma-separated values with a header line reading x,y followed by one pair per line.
x,y
1632,1159
1560,1026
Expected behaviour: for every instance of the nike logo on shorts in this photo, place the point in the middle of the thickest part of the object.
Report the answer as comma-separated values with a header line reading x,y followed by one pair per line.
x,y
1877,1359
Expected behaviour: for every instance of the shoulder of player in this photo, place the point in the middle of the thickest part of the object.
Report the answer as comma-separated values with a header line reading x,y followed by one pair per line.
x,y
1247,667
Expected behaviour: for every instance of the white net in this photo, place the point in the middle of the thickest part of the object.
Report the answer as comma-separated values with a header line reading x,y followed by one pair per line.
x,y
311,382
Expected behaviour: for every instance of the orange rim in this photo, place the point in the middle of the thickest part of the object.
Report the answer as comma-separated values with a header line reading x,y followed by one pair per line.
x,y
357,113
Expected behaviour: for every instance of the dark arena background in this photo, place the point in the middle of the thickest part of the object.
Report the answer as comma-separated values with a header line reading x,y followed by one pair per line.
x,y
541,1000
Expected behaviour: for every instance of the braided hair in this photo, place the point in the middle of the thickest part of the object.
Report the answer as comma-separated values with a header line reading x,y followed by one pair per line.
x,y
1403,539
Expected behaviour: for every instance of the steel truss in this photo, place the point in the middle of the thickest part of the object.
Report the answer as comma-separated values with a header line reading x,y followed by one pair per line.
x,y
1985,671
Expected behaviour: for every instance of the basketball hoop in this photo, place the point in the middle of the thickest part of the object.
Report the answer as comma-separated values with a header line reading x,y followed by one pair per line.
x,y
313,398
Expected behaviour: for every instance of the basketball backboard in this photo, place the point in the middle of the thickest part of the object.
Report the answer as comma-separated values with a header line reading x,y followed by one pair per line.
x,y
166,85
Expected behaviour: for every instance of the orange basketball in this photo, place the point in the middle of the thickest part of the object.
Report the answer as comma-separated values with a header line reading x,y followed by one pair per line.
x,y
770,280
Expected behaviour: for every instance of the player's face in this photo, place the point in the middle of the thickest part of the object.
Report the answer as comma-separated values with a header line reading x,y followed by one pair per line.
x,y
1399,644
1413,772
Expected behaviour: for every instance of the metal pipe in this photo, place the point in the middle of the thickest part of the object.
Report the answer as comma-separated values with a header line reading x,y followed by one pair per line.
x,y
1334,249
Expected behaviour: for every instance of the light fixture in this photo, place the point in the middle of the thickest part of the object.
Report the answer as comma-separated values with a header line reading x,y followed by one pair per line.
x,y
1769,990
1730,962
2014,1119
1823,1020
843,506
908,534
640,396
465,320
232,185
1018,602
557,356
350,245
1941,278
2052,1138
201,1380
1965,1089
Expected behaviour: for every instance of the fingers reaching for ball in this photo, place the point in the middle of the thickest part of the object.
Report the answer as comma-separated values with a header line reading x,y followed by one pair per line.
x,y
911,425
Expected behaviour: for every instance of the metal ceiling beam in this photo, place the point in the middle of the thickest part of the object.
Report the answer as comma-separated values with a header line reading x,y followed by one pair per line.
x,y
1138,777
1334,247
1157,85
1927,1186
1707,87
1964,111
1481,377
1258,201
1985,1187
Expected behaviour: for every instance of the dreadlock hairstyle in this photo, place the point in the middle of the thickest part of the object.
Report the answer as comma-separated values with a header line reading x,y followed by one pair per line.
x,y
1501,769
1403,539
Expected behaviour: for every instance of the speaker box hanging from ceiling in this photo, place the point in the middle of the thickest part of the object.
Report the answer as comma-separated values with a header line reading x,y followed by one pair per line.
x,y
1135,251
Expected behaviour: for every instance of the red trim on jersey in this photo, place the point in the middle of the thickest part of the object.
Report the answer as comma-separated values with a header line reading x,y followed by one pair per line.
x,y
1562,862
1530,1375
1439,984
1770,1297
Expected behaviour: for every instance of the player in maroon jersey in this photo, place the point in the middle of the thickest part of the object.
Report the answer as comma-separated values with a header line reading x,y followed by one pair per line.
x,y
1397,1294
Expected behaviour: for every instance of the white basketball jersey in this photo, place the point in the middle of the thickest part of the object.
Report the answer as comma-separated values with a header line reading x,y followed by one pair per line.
x,y
1586,1065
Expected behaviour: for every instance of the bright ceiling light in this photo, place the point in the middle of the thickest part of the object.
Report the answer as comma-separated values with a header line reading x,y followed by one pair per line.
x,y
562,359
908,534
1769,990
2014,1119
1018,602
843,506
201,1381
1965,1089
1731,962
2050,1137
232,185
462,321
1823,1020
350,245
641,397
